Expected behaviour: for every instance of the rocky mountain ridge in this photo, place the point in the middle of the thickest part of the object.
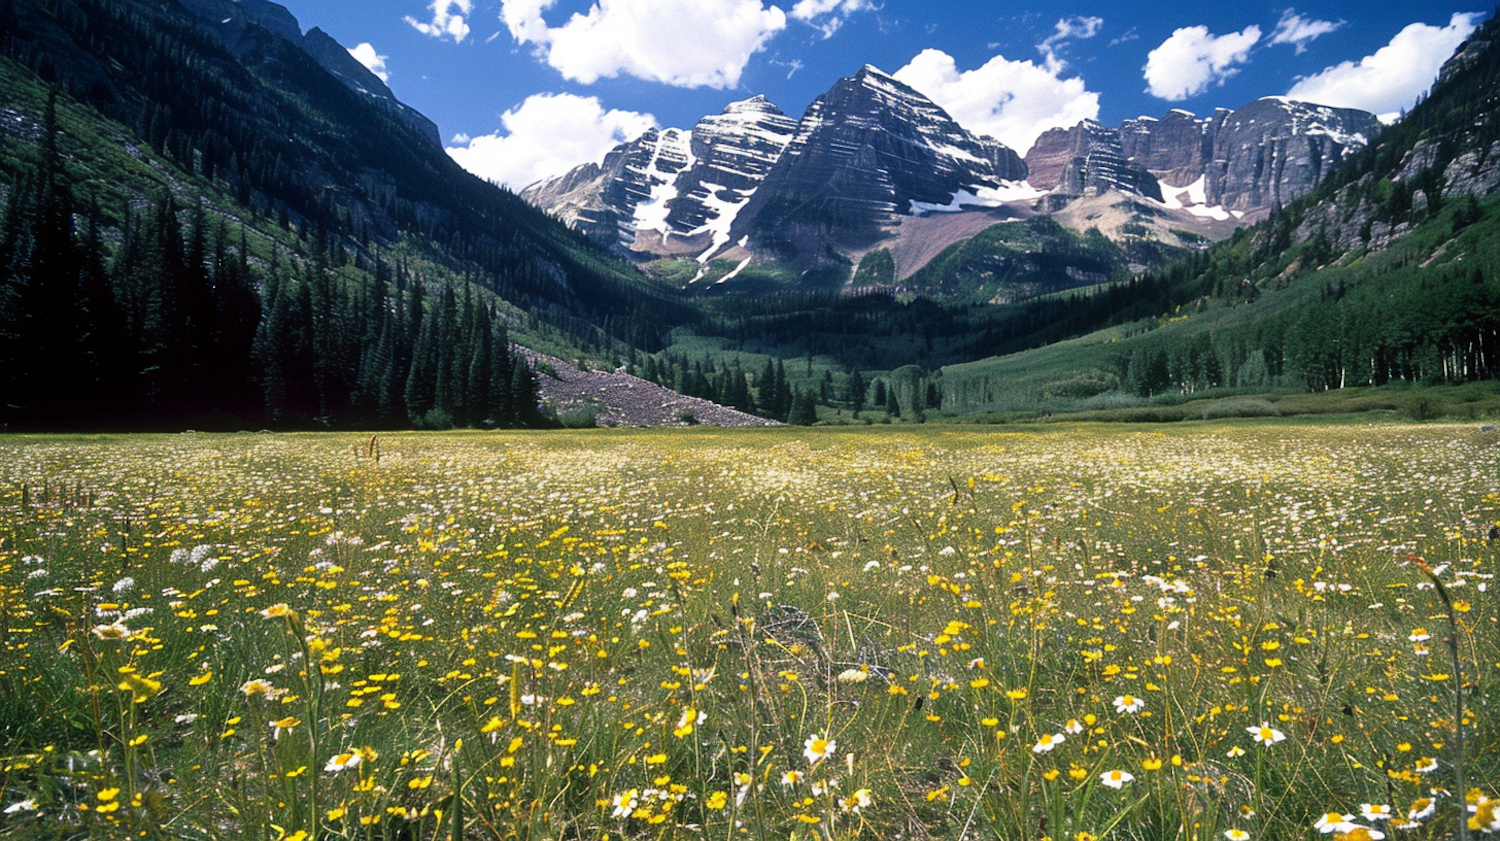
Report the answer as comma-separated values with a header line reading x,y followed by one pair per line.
x,y
870,150
867,152
871,156
671,191
231,20
1263,155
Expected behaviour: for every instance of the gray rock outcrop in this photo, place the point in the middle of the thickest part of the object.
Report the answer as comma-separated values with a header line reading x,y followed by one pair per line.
x,y
865,151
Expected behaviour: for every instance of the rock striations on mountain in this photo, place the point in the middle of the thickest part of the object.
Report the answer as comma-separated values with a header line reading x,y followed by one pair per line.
x,y
871,156
1275,150
1086,160
671,191
869,150
1263,155
1176,148
732,153
600,200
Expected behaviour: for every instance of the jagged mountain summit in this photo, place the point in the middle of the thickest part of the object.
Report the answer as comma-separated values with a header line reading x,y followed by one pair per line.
x,y
670,191
1263,155
867,152
754,181
874,164
233,21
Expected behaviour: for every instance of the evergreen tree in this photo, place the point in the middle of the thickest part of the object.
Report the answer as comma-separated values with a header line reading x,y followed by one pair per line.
x,y
523,394
105,347
804,408
782,408
854,390
421,379
446,392
502,408
479,379
39,318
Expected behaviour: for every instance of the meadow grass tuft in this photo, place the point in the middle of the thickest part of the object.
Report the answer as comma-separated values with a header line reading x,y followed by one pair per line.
x,y
1206,632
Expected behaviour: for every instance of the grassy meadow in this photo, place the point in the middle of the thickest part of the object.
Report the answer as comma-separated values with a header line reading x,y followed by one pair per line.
x,y
1207,631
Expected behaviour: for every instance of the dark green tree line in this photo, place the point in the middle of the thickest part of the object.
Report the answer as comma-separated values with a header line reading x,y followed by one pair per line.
x,y
173,327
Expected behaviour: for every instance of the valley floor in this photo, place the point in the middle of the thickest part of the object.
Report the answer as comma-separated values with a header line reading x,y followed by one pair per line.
x,y
917,632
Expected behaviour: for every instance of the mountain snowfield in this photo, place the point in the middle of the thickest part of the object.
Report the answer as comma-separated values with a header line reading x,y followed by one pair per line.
x,y
752,185
670,191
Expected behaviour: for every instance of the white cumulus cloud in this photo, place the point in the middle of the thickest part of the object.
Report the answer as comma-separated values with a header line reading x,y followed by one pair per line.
x,y
828,15
547,135
686,43
373,61
1298,30
1394,76
1193,58
445,22
1073,28
1011,101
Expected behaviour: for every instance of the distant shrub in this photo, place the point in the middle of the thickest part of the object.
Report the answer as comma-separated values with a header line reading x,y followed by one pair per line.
x,y
584,418
435,419
1425,407
1240,407
1111,400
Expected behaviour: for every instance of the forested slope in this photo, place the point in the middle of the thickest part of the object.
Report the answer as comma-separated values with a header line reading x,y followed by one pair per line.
x,y
1387,273
195,235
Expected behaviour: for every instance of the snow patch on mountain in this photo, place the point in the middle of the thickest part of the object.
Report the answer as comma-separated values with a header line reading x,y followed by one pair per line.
x,y
1194,199
672,155
981,196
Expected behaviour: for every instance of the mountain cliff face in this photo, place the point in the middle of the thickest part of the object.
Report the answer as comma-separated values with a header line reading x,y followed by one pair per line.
x,y
600,200
1087,160
671,191
732,153
867,151
1176,148
1261,156
1275,150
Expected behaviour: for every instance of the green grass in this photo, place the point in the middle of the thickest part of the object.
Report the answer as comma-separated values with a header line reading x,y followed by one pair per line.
x,y
644,633
1063,377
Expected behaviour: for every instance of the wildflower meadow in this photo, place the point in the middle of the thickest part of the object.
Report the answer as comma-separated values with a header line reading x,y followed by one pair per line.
x,y
1232,631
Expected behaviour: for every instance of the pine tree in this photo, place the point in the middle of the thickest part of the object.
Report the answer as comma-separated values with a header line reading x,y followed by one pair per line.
x,y
804,408
421,379
523,394
446,392
199,313
104,345
283,354
854,390
502,407
376,349
237,315
479,379
784,396
41,325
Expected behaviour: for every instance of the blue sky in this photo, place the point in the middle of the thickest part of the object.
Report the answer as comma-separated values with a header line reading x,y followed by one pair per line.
x,y
522,89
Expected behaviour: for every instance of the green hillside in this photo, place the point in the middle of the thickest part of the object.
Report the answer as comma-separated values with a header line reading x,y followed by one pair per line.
x,y
1386,275
200,237
213,235
1015,261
